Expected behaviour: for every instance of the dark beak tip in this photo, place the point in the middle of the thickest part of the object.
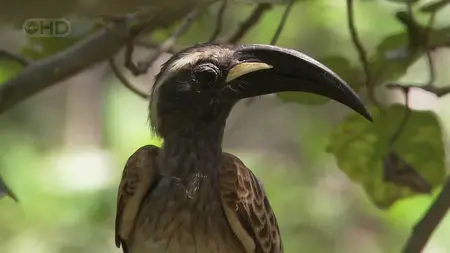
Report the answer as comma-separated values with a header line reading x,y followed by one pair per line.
x,y
368,116
289,62
365,113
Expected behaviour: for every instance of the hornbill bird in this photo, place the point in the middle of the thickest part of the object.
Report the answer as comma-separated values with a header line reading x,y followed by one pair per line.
x,y
189,196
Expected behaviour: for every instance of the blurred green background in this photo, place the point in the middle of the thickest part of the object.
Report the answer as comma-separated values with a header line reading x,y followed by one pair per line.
x,y
63,151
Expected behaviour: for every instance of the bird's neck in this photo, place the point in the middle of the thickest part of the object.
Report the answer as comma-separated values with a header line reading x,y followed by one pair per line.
x,y
190,154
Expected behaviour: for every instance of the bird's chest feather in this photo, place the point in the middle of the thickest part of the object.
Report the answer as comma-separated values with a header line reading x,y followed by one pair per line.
x,y
184,217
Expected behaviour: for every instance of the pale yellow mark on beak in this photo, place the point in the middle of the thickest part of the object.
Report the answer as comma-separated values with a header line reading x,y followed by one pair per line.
x,y
245,68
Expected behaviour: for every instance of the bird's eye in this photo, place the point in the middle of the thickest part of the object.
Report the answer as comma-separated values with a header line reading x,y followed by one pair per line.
x,y
206,74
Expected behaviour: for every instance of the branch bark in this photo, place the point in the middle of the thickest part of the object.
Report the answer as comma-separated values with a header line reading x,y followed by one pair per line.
x,y
45,73
427,225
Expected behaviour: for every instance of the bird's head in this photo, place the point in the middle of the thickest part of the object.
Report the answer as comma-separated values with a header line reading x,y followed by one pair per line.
x,y
201,84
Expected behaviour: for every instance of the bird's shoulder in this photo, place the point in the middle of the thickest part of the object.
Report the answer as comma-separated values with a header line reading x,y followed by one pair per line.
x,y
247,207
139,174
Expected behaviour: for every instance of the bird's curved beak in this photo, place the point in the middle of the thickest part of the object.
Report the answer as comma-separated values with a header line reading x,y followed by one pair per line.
x,y
265,69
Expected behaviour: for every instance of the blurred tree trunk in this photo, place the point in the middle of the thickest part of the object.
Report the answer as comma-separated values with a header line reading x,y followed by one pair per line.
x,y
83,113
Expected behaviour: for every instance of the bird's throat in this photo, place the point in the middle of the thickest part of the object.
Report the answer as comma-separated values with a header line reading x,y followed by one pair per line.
x,y
192,158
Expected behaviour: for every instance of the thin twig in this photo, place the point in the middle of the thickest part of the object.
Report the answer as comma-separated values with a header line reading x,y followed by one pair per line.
x,y
423,230
128,36
143,66
361,53
129,64
431,67
432,71
436,46
282,22
357,42
246,25
415,35
394,137
14,57
437,91
275,37
125,81
170,43
219,21
146,43
251,21
149,44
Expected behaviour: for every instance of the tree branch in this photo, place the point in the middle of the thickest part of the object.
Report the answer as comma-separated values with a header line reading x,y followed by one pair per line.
x,y
362,54
47,72
424,43
430,221
438,91
219,21
42,74
143,66
251,21
125,81
282,22
14,57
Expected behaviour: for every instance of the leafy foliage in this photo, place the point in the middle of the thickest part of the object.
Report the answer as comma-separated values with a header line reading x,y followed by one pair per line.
x,y
390,61
360,147
8,69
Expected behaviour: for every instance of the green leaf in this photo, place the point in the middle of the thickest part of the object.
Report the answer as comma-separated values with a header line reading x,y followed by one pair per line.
x,y
360,148
41,47
392,59
9,69
400,172
394,55
341,66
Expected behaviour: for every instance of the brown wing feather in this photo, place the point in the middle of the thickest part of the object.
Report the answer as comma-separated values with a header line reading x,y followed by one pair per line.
x,y
247,208
139,174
